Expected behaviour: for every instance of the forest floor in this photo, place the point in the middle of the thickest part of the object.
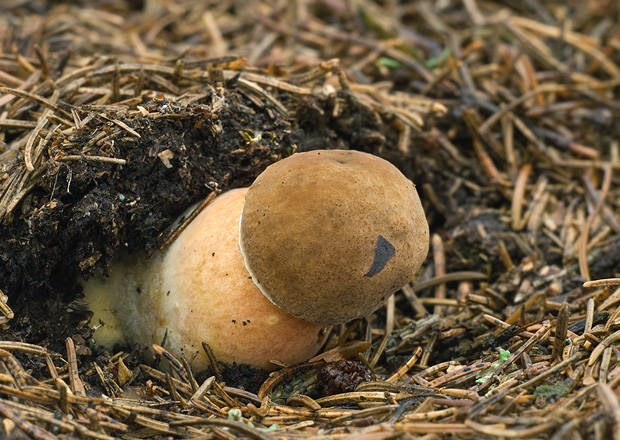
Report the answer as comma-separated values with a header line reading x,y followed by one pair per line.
x,y
117,115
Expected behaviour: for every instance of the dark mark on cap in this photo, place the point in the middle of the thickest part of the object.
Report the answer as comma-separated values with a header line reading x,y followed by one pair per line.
x,y
384,251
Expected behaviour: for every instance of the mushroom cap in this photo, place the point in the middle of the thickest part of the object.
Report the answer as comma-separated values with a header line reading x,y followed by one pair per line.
x,y
329,235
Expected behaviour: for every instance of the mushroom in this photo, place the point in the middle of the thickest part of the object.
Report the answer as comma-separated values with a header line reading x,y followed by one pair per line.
x,y
326,236
329,235
199,290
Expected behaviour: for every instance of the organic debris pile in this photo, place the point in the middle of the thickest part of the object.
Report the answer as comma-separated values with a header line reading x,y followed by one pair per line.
x,y
115,118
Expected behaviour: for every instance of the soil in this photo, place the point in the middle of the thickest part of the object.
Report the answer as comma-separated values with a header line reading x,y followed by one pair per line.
x,y
79,216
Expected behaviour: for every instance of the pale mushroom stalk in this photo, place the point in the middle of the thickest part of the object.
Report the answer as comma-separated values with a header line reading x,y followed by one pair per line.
x,y
199,290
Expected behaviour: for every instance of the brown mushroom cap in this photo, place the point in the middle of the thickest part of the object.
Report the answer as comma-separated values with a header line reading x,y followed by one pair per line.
x,y
329,235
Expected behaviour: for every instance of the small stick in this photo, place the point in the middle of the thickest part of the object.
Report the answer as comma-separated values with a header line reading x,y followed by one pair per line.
x,y
180,228
439,261
456,374
561,330
71,157
35,134
604,282
121,124
25,426
403,370
518,196
76,384
190,375
212,361
174,363
200,392
27,95
389,327
414,301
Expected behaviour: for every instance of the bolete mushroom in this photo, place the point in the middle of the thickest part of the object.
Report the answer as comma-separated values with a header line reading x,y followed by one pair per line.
x,y
199,290
329,235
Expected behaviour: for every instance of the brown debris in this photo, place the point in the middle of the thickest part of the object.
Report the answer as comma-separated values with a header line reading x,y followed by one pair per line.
x,y
115,117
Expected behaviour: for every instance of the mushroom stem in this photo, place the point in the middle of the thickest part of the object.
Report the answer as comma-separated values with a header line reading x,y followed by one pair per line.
x,y
197,291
